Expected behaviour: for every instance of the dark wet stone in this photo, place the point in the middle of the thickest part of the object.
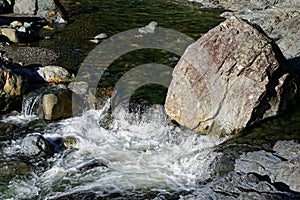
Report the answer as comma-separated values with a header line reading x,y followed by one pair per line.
x,y
35,146
11,168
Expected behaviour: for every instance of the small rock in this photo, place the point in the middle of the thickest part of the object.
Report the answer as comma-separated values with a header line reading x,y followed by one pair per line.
x,y
70,142
11,34
54,74
16,24
57,105
150,28
101,36
35,146
22,29
79,87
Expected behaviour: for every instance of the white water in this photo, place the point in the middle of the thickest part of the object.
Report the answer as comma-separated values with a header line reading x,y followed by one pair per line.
x,y
142,153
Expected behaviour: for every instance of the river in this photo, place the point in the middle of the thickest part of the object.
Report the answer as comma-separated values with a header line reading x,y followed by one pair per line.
x,y
122,155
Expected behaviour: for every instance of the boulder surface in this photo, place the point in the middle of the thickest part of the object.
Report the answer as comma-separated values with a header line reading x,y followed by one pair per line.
x,y
230,78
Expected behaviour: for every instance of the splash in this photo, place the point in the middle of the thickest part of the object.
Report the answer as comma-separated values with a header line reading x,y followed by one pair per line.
x,y
121,153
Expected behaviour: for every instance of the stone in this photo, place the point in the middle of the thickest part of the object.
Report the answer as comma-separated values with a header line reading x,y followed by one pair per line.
x,y
28,7
282,165
238,185
52,10
12,87
35,146
231,78
54,74
15,24
150,28
11,168
11,34
70,142
79,87
57,105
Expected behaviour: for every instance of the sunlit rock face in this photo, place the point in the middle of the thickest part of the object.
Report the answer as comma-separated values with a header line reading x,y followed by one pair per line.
x,y
232,77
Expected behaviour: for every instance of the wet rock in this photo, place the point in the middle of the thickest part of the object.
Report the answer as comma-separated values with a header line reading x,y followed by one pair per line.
x,y
232,77
92,164
70,142
56,105
6,131
54,74
282,165
12,87
35,146
11,168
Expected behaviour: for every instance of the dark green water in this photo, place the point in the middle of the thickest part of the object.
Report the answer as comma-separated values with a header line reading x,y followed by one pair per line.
x,y
89,18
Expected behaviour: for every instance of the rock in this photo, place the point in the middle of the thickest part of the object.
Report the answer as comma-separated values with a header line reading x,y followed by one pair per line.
x,y
279,19
6,131
283,165
12,87
150,28
79,87
15,24
52,10
56,105
35,146
54,74
241,186
70,142
25,7
11,34
11,168
231,78
101,36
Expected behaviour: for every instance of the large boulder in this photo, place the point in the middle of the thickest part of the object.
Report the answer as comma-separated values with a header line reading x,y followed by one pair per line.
x,y
229,79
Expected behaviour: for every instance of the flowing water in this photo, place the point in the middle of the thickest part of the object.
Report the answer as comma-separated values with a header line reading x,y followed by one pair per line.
x,y
133,156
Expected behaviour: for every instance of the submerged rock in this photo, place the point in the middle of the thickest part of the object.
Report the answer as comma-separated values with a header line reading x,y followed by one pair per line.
x,y
232,77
